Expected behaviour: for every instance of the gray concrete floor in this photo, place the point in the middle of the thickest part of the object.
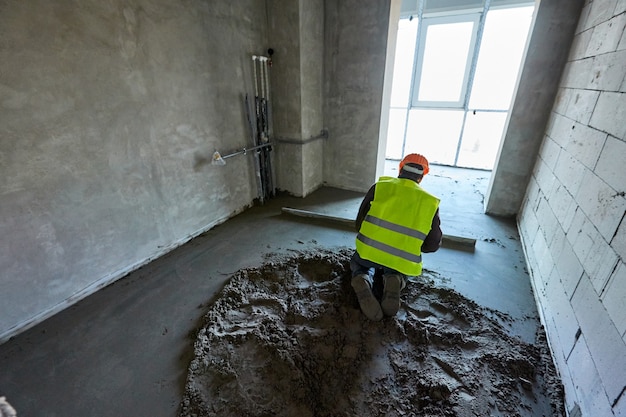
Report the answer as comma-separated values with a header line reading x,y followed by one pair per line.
x,y
124,350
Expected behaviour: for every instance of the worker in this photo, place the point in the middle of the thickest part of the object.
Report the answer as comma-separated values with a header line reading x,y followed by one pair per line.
x,y
397,221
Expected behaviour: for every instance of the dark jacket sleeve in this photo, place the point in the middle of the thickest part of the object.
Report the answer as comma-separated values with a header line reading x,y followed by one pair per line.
x,y
433,240
365,207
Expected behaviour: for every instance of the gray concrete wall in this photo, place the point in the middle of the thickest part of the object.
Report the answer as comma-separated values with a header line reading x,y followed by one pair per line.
x,y
284,38
312,73
110,112
296,34
356,42
573,217
546,54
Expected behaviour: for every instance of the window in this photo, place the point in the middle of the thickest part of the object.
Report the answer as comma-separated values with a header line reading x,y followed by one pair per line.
x,y
442,69
454,77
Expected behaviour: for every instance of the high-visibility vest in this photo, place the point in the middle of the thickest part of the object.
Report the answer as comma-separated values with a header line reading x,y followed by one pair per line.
x,y
398,221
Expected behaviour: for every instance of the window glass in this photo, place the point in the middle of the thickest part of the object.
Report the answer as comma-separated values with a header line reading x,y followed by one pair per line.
x,y
453,119
434,133
481,139
445,60
501,51
395,133
403,64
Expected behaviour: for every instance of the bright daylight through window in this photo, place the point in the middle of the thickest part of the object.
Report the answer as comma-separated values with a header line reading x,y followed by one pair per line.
x,y
454,78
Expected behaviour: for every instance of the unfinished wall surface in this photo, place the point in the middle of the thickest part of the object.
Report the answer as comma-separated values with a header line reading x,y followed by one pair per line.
x,y
296,35
573,222
110,112
312,73
356,47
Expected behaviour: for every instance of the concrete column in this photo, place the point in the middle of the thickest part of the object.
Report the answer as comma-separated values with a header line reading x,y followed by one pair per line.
x,y
297,36
546,54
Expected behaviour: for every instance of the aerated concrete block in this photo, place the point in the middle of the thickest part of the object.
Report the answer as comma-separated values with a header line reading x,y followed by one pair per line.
x,y
561,101
544,176
556,244
549,222
569,267
580,106
560,129
529,226
533,194
545,263
585,144
549,152
622,43
619,409
614,298
603,205
612,164
592,398
618,243
576,226
606,36
579,45
562,313
607,72
569,172
577,74
586,235
599,12
600,264
605,343
559,351
563,206
609,113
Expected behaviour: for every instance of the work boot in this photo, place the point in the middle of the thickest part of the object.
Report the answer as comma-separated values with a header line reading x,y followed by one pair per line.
x,y
391,294
369,304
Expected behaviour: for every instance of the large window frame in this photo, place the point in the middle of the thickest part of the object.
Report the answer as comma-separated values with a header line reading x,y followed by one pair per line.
x,y
428,16
425,24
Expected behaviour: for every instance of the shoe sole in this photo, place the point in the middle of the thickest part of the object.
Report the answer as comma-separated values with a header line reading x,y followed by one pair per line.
x,y
391,296
369,305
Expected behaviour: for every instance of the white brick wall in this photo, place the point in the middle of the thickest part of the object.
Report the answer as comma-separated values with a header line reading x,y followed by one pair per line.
x,y
581,105
562,313
611,110
573,220
587,384
599,12
600,264
601,203
612,164
614,298
605,343
619,240
606,36
585,144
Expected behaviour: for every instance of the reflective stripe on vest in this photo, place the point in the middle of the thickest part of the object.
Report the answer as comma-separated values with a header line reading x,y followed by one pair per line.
x,y
386,248
396,227
398,221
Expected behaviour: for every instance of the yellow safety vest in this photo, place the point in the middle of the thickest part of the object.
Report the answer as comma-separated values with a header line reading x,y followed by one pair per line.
x,y
398,221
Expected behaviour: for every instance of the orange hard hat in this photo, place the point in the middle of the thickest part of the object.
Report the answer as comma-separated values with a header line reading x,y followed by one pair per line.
x,y
415,158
